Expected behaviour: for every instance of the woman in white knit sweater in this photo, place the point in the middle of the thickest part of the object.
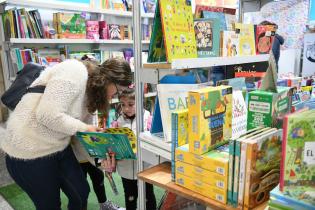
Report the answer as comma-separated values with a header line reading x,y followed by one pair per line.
x,y
37,140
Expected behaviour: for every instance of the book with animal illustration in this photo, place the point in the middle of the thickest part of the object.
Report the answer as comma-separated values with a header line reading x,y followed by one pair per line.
x,y
121,141
264,38
210,118
176,19
246,38
70,25
207,32
263,157
298,165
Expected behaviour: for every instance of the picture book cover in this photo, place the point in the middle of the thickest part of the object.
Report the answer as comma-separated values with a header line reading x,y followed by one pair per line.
x,y
200,8
207,32
262,168
157,52
230,43
264,38
98,144
172,97
216,15
297,173
178,29
114,32
210,118
92,29
71,25
179,133
239,115
308,55
247,38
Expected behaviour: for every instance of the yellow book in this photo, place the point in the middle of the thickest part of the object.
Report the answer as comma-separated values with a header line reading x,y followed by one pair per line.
x,y
216,161
200,187
178,29
210,118
201,174
246,38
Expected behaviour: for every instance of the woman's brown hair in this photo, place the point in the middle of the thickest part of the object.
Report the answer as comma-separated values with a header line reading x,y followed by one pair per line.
x,y
113,70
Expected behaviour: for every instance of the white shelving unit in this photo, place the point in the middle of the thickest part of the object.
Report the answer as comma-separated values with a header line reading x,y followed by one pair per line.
x,y
68,7
151,73
72,41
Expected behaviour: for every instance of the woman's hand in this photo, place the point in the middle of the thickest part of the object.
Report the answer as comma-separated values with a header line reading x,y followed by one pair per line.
x,y
92,128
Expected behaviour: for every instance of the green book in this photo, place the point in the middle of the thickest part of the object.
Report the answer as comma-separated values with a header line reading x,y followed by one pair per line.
x,y
98,144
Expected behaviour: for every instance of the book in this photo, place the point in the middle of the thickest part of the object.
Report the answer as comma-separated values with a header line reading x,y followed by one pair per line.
x,y
179,133
172,97
200,8
230,44
264,38
92,29
239,115
210,118
114,32
98,144
70,25
262,167
246,38
207,33
178,32
103,29
298,151
216,15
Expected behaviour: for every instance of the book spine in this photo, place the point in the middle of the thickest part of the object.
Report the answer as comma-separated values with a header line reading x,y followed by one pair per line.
x,y
242,175
250,158
27,34
237,156
19,58
39,23
11,19
28,24
283,151
174,142
16,24
21,27
231,171
194,122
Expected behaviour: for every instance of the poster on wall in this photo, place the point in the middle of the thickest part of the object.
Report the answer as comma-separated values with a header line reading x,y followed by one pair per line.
x,y
308,68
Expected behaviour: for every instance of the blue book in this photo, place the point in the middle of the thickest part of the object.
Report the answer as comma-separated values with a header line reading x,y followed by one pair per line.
x,y
216,15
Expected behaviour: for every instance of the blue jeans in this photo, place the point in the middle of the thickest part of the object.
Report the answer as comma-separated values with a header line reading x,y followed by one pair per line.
x,y
42,178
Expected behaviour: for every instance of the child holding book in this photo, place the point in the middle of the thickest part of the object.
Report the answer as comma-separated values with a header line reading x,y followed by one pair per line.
x,y
127,169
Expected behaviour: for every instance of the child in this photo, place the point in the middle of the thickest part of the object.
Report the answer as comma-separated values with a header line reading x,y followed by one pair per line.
x,y
127,169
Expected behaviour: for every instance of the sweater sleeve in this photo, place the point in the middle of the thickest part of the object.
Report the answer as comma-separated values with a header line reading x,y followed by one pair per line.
x,y
52,110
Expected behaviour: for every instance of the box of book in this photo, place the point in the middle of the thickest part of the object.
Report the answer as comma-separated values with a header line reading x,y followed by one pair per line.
x,y
92,29
200,187
179,133
263,155
298,152
264,108
210,118
216,161
70,25
203,175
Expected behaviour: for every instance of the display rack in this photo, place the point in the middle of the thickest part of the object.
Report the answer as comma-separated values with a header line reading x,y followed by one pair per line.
x,y
160,176
152,73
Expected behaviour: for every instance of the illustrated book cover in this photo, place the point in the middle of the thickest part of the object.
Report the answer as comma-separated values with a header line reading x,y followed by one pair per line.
x,y
246,38
119,140
207,32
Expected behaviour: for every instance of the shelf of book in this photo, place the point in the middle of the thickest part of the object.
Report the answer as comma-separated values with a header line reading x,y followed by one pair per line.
x,y
72,41
192,63
69,7
155,145
160,176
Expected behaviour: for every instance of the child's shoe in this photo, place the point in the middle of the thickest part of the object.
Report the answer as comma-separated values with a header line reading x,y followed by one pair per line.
x,y
108,205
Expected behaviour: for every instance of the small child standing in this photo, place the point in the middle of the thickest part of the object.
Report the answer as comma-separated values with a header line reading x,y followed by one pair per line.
x,y
127,169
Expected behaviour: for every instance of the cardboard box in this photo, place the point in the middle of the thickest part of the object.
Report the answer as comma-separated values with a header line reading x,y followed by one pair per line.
x,y
202,188
216,161
203,175
210,118
265,108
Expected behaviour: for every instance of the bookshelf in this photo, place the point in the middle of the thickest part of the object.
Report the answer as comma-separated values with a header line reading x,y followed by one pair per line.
x,y
160,175
69,7
192,63
72,41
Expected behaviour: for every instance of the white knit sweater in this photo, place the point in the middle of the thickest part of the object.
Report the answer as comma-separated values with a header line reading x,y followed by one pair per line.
x,y
42,124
